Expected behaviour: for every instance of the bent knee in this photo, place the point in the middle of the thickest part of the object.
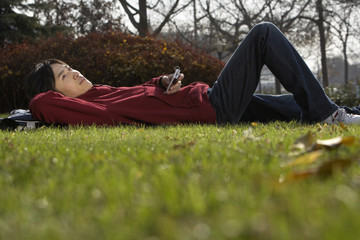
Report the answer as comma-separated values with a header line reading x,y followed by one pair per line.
x,y
264,28
265,25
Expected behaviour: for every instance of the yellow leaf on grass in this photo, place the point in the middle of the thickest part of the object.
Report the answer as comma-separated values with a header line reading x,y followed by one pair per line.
x,y
343,126
335,142
348,141
304,159
295,176
326,169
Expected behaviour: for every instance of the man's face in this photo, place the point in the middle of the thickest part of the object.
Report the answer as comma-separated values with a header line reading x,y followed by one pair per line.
x,y
70,82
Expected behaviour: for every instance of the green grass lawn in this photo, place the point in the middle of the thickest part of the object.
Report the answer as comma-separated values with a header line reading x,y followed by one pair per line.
x,y
175,182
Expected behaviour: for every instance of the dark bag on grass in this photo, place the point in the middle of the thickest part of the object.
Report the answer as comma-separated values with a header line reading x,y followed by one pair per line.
x,y
21,119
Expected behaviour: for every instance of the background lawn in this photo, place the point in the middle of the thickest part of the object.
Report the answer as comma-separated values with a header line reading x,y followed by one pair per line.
x,y
177,182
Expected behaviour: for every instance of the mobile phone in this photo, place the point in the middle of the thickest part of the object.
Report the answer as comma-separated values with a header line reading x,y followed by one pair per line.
x,y
176,76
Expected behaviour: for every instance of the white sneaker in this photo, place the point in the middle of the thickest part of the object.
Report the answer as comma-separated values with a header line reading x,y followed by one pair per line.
x,y
340,115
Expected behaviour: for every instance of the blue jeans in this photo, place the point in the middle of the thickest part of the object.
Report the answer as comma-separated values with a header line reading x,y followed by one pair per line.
x,y
266,45
267,108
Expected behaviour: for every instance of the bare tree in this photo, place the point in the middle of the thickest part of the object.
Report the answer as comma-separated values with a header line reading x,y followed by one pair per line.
x,y
142,25
321,18
232,19
285,14
342,30
193,27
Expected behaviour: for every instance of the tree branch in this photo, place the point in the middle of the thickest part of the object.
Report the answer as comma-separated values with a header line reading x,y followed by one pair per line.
x,y
131,15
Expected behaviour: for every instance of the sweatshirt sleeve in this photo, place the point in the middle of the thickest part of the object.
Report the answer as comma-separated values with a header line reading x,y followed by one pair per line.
x,y
55,108
155,81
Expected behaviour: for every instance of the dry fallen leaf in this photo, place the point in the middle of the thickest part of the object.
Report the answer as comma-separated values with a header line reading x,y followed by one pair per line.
x,y
306,158
316,150
326,169
295,176
343,126
335,142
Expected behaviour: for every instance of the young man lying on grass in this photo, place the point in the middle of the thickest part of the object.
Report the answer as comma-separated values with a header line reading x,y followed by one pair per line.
x,y
61,95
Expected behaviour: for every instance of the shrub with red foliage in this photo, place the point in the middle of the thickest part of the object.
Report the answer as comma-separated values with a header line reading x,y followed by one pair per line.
x,y
111,58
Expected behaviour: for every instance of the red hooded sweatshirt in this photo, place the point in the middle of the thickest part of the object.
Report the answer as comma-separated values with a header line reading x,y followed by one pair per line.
x,y
146,103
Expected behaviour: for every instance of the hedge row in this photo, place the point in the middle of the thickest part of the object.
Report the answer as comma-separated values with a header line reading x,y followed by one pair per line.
x,y
111,58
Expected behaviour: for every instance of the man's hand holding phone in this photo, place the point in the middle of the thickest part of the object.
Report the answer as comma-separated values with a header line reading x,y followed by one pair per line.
x,y
172,82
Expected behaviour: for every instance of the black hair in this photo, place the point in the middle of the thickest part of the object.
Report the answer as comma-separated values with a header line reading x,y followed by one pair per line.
x,y
41,78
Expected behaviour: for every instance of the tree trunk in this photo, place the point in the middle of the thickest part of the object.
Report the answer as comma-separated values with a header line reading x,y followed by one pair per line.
x,y
277,86
320,23
346,65
195,24
260,87
143,22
